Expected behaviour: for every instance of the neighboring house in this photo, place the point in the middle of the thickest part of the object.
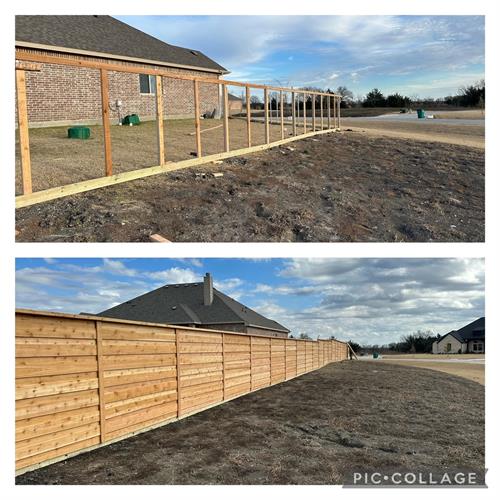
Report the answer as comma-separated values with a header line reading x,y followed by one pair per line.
x,y
469,339
235,104
196,305
60,95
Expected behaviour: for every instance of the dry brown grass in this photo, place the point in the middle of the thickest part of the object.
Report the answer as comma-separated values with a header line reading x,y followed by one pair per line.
x,y
465,135
57,160
469,114
435,357
471,371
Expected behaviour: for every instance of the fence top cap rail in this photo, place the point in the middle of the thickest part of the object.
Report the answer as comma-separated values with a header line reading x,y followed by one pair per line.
x,y
118,66
103,319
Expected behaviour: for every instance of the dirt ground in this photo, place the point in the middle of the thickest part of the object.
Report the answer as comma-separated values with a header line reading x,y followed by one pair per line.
x,y
316,429
346,186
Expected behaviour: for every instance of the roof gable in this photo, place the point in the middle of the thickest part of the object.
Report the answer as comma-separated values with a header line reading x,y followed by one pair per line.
x,y
183,304
472,331
107,35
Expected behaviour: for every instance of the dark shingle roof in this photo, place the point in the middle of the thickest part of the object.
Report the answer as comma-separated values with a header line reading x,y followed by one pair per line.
x,y
233,97
182,304
107,35
472,331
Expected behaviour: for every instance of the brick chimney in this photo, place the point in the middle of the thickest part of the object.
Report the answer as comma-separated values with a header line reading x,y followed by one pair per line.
x,y
208,290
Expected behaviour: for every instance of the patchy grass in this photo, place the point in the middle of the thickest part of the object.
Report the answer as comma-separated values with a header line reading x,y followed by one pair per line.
x,y
316,429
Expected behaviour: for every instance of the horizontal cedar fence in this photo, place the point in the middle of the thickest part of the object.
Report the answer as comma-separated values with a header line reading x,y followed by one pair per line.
x,y
85,381
324,118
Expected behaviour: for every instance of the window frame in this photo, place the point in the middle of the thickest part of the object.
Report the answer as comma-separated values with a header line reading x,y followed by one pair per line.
x,y
151,82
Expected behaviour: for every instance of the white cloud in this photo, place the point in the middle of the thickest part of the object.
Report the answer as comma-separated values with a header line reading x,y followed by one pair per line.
x,y
357,49
175,275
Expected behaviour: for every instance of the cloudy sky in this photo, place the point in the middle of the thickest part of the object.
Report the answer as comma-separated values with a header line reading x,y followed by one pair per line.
x,y
372,301
415,55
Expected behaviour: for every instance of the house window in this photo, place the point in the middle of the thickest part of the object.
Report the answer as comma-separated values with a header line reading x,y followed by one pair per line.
x,y
147,84
477,347
448,347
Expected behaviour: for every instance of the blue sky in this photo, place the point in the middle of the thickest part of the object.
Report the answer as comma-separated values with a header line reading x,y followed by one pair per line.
x,y
371,301
425,56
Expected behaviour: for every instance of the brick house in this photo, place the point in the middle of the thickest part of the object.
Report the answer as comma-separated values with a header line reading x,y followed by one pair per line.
x,y
61,95
468,339
198,305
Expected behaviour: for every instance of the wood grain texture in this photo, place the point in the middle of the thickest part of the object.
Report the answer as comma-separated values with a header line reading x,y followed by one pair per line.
x,y
84,381
22,121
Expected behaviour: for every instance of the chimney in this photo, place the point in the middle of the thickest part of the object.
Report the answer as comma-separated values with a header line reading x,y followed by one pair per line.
x,y
208,290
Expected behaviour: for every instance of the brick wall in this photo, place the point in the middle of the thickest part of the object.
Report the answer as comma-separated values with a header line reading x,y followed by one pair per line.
x,y
65,94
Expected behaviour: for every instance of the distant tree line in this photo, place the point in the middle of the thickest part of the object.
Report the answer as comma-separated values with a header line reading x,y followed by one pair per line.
x,y
467,96
418,342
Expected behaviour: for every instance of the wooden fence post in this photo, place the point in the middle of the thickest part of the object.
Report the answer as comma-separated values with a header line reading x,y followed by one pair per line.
x,y
284,340
313,111
159,120
282,116
100,378
329,112
105,122
226,118
296,357
321,112
249,117
178,372
305,113
266,115
270,361
24,139
294,125
223,370
251,357
197,126
338,114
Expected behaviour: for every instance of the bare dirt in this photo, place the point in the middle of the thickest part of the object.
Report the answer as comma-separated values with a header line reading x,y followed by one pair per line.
x,y
316,429
346,186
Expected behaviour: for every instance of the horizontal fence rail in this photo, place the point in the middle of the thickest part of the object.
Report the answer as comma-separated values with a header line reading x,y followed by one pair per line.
x,y
325,118
86,381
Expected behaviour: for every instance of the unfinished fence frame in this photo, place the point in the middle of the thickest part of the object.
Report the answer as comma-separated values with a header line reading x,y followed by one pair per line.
x,y
86,381
30,61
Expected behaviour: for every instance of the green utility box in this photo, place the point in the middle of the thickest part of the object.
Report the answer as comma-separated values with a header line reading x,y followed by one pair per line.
x,y
375,355
131,120
421,113
78,133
